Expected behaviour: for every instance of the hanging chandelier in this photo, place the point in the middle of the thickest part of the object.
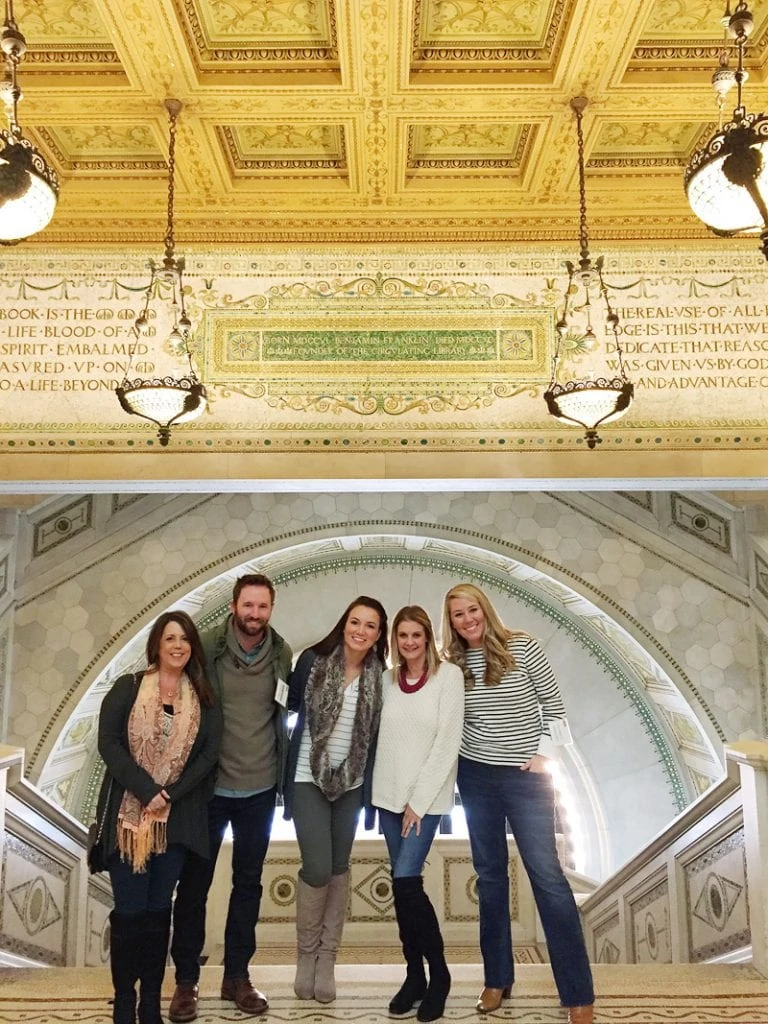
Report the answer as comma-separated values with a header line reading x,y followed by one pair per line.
x,y
726,181
166,401
29,188
592,401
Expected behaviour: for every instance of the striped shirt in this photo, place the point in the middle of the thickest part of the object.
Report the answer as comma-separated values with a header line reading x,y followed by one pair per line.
x,y
340,740
508,723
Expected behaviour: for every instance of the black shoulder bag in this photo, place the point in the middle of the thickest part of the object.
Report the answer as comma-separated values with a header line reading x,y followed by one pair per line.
x,y
94,844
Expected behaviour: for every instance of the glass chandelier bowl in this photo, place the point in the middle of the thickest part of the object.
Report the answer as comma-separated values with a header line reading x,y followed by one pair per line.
x,y
165,401
170,400
29,188
726,180
592,401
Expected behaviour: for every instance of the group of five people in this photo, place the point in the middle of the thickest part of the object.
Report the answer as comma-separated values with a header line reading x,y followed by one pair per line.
x,y
198,742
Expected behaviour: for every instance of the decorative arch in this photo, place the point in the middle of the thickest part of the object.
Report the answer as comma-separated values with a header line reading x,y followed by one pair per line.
x,y
623,700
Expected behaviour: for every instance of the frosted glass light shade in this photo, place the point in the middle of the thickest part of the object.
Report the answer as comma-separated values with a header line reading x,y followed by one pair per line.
x,y
590,403
718,176
166,402
29,189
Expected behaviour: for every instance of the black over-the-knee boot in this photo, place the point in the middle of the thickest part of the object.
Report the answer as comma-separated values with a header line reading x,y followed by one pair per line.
x,y
433,1003
153,956
123,960
407,892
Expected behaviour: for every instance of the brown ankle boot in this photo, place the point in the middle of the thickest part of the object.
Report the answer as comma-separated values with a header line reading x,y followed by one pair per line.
x,y
580,1015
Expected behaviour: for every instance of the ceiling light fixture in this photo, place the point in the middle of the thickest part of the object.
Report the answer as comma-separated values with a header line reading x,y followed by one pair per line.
x,y
592,401
726,181
29,188
170,400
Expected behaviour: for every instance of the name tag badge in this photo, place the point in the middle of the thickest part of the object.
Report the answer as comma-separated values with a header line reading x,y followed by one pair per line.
x,y
281,692
560,732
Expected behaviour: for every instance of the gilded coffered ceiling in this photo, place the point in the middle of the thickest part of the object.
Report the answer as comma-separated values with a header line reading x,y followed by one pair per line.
x,y
311,121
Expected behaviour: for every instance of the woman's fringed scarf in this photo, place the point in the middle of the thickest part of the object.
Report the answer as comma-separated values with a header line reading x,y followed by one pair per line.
x,y
140,832
324,696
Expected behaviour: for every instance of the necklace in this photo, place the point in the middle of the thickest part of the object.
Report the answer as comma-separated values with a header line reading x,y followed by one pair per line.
x,y
407,687
169,693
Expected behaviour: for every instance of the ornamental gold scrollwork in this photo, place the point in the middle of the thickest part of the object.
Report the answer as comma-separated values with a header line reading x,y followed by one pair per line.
x,y
370,405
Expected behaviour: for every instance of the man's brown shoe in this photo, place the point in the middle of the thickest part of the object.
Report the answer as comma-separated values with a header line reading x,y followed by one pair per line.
x,y
580,1015
491,999
245,996
183,1006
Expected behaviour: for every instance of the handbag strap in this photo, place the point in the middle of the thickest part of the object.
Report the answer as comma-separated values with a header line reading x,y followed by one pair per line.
x,y
104,810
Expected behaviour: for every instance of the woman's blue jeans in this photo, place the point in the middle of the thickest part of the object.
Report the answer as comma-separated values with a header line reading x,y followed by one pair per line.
x,y
493,795
407,854
146,891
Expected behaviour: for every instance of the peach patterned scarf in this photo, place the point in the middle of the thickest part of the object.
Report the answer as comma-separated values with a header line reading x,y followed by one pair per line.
x,y
162,751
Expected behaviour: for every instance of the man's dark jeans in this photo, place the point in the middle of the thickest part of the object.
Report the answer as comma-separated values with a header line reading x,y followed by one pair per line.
x,y
251,821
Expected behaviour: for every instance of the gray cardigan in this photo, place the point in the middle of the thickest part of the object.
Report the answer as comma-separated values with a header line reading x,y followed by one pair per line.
x,y
190,793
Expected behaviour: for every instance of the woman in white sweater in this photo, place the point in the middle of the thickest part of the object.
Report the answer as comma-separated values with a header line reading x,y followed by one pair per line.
x,y
413,782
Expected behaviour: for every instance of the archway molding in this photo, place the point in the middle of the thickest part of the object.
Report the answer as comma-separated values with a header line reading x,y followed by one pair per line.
x,y
640,726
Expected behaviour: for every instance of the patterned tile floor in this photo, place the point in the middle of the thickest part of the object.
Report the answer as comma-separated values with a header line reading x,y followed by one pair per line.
x,y
626,995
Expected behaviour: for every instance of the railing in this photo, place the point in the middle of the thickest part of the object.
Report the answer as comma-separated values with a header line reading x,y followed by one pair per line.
x,y
697,892
54,913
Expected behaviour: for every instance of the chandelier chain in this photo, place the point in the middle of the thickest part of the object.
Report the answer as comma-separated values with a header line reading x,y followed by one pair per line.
x,y
14,47
740,25
583,236
169,239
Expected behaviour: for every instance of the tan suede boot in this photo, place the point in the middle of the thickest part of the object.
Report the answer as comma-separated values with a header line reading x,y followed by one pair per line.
x,y
330,937
310,910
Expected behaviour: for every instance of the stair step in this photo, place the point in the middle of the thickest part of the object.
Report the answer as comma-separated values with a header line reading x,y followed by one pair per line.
x,y
665,994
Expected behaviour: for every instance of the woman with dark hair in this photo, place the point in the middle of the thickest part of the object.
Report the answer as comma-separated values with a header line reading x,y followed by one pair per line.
x,y
159,733
414,777
514,721
336,689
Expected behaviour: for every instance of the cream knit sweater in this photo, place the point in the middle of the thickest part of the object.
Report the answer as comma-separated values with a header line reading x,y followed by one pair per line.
x,y
418,745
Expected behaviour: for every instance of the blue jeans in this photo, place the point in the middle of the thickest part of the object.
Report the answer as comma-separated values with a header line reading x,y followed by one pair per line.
x,y
407,855
145,891
251,821
493,795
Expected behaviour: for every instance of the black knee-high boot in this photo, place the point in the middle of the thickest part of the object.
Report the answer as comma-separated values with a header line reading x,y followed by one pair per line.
x,y
123,961
433,1003
153,957
406,893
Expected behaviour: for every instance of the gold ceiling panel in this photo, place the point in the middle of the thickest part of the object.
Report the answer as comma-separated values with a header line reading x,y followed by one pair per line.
x,y
359,121
456,150
645,144
285,149
505,36
69,36
247,36
689,35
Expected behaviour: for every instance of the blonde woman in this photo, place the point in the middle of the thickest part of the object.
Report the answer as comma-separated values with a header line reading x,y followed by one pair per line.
x,y
514,719
414,777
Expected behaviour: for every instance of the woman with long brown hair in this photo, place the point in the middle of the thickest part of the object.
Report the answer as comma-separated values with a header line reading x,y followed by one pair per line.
x,y
336,690
159,733
514,720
